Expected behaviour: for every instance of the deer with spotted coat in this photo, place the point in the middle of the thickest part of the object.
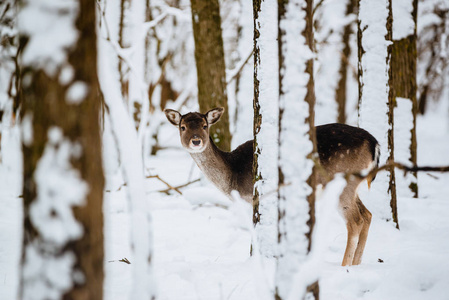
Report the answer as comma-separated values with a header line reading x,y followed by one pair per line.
x,y
341,148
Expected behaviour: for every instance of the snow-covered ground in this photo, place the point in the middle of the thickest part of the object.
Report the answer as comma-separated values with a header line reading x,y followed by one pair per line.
x,y
202,240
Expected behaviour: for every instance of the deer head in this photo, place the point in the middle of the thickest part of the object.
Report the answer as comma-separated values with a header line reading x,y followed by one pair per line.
x,y
194,127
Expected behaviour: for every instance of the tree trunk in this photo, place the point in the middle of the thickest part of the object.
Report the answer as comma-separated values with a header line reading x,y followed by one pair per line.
x,y
404,88
297,143
266,125
9,104
391,105
340,93
123,69
210,65
375,97
63,177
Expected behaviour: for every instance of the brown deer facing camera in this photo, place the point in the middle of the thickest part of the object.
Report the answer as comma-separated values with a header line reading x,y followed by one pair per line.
x,y
341,148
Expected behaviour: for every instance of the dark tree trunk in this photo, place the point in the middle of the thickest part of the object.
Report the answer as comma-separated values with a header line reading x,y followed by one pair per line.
x,y
45,103
391,104
210,64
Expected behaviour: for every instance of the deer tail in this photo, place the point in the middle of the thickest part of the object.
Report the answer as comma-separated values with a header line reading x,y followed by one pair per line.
x,y
376,157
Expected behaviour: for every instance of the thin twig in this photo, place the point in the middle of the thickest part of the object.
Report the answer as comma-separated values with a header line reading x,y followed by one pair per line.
x,y
400,166
239,69
125,260
179,186
166,183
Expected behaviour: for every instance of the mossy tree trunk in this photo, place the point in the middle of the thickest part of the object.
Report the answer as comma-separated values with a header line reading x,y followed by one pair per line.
x,y
210,65
63,176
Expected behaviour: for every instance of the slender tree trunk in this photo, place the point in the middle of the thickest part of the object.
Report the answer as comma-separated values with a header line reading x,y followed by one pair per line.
x,y
63,177
375,98
210,64
297,142
266,124
404,88
123,41
340,93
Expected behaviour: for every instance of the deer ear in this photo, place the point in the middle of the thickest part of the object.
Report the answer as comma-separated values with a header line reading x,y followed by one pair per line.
x,y
214,115
173,116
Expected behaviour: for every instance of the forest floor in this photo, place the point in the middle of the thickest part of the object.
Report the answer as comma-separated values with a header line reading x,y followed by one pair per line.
x,y
201,244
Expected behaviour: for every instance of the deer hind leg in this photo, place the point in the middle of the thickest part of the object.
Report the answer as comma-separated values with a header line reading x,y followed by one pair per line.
x,y
366,217
354,223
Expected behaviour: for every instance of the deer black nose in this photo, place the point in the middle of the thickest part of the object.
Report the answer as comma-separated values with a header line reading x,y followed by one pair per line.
x,y
196,142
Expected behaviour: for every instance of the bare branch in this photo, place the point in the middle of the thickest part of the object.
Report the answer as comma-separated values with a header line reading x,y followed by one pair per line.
x,y
166,183
232,74
399,166
179,186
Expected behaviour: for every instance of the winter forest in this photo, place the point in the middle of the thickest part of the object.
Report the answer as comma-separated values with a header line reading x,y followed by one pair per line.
x,y
117,121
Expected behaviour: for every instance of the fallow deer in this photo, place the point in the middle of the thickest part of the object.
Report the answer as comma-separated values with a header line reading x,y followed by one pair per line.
x,y
341,148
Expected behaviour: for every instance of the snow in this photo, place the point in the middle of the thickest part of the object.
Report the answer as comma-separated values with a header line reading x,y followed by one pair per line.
x,y
403,124
294,148
403,23
202,252
373,109
331,17
76,92
48,270
59,188
266,139
201,240
130,153
51,30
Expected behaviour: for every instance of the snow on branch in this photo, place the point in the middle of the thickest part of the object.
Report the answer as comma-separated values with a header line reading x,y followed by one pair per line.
x,y
132,166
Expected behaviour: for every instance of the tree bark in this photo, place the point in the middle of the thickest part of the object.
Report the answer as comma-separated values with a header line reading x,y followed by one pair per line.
x,y
48,109
391,105
266,125
403,85
210,65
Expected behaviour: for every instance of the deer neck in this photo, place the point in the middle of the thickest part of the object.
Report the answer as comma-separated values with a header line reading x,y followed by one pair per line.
x,y
213,164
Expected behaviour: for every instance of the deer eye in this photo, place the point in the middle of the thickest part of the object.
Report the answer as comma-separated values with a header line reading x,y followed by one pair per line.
x,y
205,127
183,128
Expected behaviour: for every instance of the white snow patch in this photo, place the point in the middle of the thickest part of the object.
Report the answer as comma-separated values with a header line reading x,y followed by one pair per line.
x,y
267,138
27,129
49,24
48,267
46,277
403,124
77,92
373,110
403,24
59,188
294,147
66,75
